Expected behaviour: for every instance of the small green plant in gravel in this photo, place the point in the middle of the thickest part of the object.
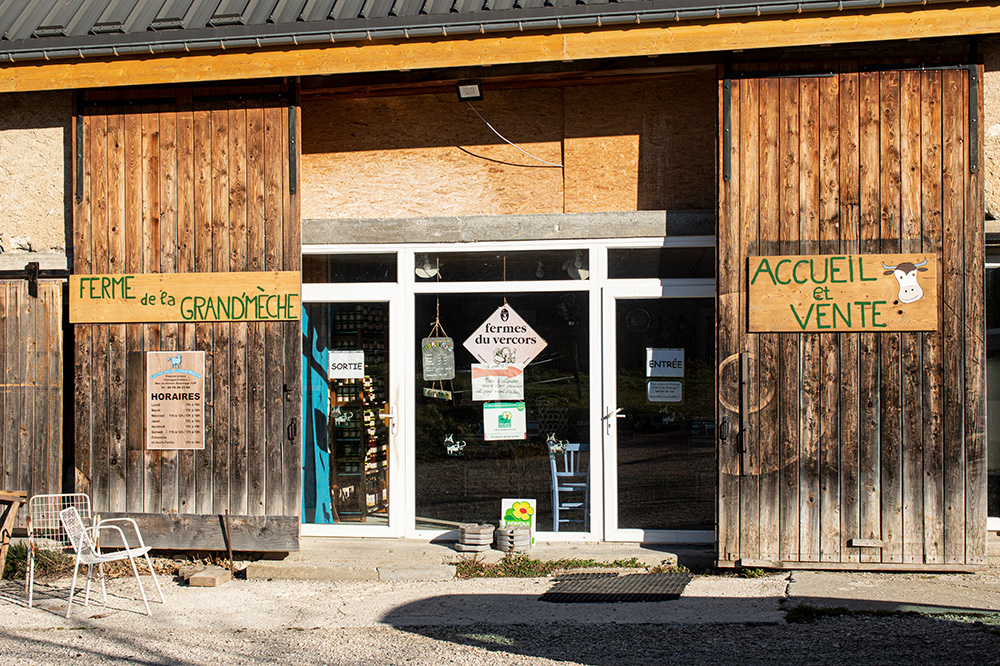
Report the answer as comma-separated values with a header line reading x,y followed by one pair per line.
x,y
751,572
47,562
668,568
519,565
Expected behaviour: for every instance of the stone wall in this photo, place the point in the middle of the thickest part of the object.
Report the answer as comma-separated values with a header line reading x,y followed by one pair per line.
x,y
35,186
990,49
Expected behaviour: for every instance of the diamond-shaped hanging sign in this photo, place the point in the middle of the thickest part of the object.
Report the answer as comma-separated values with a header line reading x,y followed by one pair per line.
x,y
505,338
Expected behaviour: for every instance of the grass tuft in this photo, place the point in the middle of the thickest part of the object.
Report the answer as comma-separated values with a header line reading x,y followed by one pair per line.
x,y
520,565
48,563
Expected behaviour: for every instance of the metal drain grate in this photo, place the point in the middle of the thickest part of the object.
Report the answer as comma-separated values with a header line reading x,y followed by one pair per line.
x,y
629,588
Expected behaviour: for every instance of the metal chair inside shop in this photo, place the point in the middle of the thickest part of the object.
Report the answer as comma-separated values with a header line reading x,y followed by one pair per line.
x,y
46,533
88,553
570,486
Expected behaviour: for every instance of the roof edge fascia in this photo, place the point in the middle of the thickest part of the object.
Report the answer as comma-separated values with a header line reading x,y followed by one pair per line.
x,y
511,46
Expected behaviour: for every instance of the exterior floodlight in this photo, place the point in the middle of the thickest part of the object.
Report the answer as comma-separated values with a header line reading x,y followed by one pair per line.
x,y
470,91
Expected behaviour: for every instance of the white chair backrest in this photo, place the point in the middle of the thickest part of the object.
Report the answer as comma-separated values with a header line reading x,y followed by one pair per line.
x,y
46,526
73,524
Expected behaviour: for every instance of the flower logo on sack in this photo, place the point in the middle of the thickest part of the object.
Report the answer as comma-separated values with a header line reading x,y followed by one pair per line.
x,y
519,512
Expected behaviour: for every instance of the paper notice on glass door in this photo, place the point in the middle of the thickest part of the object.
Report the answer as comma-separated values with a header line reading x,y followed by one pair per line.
x,y
504,420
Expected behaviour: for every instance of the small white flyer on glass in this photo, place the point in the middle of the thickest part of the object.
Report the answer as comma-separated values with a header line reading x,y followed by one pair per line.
x,y
504,420
664,392
347,364
662,362
497,382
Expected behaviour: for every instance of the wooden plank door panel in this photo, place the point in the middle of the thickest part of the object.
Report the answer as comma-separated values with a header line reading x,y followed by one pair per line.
x,y
866,449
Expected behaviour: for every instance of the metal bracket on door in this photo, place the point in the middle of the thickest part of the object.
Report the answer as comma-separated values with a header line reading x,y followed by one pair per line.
x,y
608,416
742,437
390,416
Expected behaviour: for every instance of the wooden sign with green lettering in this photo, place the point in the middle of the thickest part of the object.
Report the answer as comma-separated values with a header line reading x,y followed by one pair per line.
x,y
184,297
843,293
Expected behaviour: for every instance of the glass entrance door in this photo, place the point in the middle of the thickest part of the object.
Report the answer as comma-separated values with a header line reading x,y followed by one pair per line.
x,y
659,413
350,418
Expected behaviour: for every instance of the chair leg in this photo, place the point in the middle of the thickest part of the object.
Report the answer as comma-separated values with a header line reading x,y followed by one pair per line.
x,y
104,589
29,580
135,570
90,575
155,579
72,587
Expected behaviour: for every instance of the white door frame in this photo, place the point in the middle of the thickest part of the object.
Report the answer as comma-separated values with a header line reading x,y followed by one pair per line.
x,y
365,293
601,293
613,292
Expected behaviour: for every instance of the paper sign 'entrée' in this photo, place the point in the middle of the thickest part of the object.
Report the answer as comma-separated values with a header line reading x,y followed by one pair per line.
x,y
184,297
843,293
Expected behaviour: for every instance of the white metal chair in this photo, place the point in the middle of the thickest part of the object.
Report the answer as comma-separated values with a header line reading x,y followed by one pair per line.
x,y
570,485
45,529
87,553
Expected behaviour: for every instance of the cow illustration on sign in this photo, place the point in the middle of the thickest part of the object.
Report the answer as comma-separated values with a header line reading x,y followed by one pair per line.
x,y
906,275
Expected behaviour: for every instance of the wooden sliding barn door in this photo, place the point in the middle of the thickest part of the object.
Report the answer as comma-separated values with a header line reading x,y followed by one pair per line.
x,y
852,450
186,180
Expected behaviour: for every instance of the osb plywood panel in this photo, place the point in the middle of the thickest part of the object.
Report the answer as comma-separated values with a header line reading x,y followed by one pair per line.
x,y
641,146
429,155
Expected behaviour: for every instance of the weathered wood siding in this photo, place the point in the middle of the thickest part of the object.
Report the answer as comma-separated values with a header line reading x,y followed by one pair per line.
x,y
31,395
854,436
181,181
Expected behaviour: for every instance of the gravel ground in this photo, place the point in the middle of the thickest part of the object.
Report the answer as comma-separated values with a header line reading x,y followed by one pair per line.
x,y
843,640
488,621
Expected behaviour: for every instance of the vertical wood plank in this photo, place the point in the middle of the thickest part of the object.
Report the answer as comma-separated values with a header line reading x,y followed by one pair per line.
x,y
117,411
932,343
749,216
810,387
891,380
150,127
82,335
203,263
238,351
850,228
100,497
789,343
953,213
15,370
167,120
768,365
6,397
135,383
911,240
292,330
870,425
185,263
273,338
54,348
220,263
728,338
256,378
28,459
975,363
829,348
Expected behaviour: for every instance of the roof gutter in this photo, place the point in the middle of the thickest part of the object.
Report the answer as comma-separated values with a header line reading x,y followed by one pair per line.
x,y
411,28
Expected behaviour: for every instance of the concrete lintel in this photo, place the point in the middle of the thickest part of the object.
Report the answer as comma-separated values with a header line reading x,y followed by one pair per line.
x,y
473,228
16,261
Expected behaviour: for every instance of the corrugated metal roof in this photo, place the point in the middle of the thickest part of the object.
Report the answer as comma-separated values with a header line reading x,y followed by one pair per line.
x,y
37,29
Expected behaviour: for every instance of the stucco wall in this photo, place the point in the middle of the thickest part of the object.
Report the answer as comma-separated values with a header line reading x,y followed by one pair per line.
x,y
990,48
35,194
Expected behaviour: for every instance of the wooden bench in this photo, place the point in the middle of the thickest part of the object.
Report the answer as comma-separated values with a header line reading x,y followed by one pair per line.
x,y
10,502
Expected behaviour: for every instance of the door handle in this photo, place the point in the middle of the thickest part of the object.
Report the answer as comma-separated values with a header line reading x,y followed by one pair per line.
x,y
607,418
389,416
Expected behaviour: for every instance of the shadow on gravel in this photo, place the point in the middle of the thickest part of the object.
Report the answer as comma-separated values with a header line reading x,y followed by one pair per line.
x,y
809,630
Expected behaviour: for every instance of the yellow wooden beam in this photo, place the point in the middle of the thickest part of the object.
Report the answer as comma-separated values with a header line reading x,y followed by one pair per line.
x,y
583,44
